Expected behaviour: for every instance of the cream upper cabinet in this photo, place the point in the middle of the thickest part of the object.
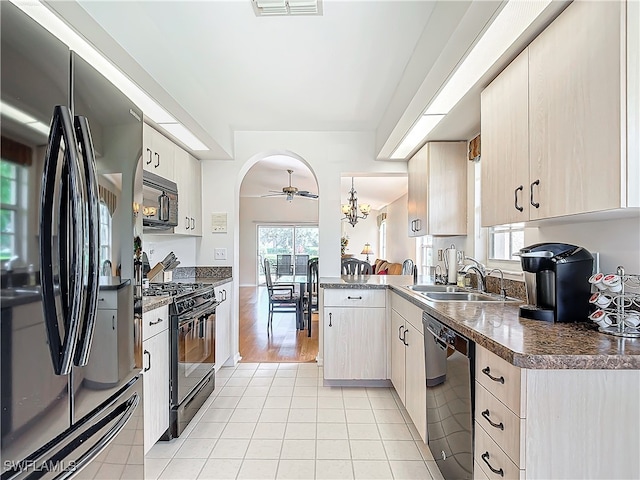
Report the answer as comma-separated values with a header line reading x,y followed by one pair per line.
x,y
575,115
437,193
158,153
187,177
505,146
569,120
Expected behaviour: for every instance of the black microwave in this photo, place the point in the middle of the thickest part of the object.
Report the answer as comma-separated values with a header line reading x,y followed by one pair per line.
x,y
159,202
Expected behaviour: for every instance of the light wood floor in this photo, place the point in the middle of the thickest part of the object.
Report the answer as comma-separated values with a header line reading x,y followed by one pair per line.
x,y
284,343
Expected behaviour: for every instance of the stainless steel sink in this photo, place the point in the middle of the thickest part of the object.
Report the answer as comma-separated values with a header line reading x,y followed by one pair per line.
x,y
462,296
435,288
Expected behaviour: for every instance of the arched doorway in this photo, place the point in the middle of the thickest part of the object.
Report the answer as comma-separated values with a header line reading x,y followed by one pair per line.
x,y
278,220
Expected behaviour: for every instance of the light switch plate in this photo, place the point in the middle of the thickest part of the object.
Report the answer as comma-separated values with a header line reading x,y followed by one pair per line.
x,y
220,253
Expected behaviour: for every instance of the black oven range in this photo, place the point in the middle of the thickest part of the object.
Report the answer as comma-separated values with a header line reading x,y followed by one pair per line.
x,y
192,345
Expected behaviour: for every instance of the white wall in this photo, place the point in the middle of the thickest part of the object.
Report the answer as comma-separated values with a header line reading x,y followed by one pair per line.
x,y
617,240
365,231
159,246
268,211
399,245
329,155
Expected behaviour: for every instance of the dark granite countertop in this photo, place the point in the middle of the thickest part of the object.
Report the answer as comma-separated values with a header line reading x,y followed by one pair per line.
x,y
151,303
524,343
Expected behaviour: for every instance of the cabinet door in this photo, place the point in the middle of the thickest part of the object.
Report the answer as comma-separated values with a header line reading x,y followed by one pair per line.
x,y
416,380
397,354
183,180
416,197
446,202
163,156
223,325
196,196
156,387
505,146
575,111
147,147
354,344
103,363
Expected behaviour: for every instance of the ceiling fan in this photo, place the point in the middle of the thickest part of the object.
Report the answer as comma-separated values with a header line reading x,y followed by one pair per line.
x,y
291,191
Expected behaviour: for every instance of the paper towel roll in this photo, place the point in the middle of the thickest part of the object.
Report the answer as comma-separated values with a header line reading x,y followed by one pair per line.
x,y
452,260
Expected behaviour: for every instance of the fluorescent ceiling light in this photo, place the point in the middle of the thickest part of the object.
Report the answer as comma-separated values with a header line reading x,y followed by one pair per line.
x,y
510,23
184,135
23,118
45,17
287,7
420,129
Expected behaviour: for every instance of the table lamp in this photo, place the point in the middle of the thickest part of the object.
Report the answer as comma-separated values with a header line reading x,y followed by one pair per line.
x,y
367,250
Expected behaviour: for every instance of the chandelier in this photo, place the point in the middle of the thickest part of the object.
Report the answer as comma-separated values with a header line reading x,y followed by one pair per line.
x,y
351,209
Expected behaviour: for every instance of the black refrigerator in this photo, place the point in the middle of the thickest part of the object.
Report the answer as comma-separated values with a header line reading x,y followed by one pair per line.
x,y
71,175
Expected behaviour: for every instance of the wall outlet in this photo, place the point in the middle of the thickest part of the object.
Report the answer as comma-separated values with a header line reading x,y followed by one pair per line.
x,y
440,255
220,254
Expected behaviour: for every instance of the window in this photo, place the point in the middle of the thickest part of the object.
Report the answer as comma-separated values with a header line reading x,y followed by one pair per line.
x,y
504,240
285,240
12,218
383,239
105,233
424,254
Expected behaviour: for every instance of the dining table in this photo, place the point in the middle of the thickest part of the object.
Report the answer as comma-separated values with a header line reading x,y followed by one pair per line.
x,y
301,280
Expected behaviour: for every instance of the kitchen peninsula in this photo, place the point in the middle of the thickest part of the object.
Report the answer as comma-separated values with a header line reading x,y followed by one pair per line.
x,y
566,395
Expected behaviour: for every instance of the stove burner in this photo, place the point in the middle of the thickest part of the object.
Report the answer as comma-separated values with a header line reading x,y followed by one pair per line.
x,y
171,288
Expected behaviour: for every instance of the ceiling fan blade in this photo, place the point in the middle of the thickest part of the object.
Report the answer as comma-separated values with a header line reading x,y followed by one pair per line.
x,y
307,194
279,194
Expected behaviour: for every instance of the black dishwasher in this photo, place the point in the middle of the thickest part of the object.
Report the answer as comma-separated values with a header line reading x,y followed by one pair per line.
x,y
449,366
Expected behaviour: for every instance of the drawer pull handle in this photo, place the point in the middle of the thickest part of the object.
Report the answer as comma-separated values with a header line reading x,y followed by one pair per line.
x,y
146,352
400,332
500,425
535,204
354,298
485,457
518,207
156,322
330,321
487,372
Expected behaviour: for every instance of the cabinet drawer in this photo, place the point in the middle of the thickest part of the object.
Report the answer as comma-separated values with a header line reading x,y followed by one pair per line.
x,y
501,379
108,299
351,297
155,321
509,435
490,456
410,312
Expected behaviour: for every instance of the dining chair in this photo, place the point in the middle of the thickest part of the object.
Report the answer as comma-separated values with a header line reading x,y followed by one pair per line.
x,y
311,295
353,266
283,265
407,267
301,265
282,297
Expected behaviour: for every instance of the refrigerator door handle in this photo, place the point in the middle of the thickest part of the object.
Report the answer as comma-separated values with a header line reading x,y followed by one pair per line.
x,y
57,312
91,209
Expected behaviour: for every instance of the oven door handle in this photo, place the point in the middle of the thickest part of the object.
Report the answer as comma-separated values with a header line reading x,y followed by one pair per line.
x,y
190,315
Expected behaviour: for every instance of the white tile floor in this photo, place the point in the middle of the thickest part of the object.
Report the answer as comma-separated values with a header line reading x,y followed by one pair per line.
x,y
270,420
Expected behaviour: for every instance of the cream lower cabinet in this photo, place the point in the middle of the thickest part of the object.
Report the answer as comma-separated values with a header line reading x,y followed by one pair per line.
x,y
560,424
408,361
354,334
223,324
155,361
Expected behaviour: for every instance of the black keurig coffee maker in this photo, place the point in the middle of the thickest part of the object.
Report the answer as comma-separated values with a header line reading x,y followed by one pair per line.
x,y
557,281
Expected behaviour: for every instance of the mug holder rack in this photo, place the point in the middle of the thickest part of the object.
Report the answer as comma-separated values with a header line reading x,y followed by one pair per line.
x,y
623,303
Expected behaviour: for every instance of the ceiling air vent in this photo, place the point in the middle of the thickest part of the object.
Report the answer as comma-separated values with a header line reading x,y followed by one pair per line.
x,y
263,8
